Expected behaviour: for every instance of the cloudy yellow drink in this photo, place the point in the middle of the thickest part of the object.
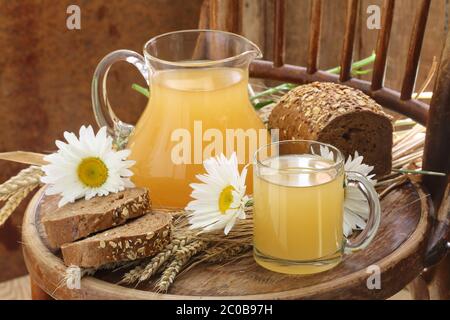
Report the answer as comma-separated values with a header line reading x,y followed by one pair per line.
x,y
298,214
203,103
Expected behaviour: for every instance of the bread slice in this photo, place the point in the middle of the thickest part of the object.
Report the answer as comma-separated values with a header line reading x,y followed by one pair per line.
x,y
84,217
142,237
339,115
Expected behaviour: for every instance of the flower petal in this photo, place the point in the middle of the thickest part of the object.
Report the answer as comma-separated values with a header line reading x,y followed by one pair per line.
x,y
60,174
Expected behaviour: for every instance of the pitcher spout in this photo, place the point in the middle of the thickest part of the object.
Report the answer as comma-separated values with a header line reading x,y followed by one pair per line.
x,y
200,48
253,51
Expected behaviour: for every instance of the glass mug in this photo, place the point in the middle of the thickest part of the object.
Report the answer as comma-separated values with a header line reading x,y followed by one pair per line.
x,y
299,207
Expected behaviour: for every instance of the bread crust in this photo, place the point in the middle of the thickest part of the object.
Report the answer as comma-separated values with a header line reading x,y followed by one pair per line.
x,y
140,238
84,217
339,115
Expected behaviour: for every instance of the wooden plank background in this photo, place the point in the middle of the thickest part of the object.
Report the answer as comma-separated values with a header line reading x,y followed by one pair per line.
x,y
258,26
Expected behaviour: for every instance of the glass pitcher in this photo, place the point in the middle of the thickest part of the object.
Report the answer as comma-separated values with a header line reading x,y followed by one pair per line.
x,y
198,108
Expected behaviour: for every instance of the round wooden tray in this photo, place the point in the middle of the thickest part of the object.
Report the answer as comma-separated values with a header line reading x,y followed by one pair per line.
x,y
397,250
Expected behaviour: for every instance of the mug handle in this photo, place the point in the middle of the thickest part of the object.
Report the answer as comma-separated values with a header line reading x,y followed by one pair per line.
x,y
104,115
373,222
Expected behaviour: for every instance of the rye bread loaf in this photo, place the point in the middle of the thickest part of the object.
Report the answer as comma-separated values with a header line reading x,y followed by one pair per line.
x,y
84,217
140,238
339,115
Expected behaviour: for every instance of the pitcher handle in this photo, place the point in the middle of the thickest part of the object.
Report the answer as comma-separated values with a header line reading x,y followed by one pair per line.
x,y
373,222
104,115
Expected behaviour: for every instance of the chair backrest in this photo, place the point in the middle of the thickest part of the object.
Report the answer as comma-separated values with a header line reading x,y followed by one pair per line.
x,y
436,116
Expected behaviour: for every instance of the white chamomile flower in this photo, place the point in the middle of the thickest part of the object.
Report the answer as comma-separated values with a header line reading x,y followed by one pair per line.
x,y
86,167
356,208
220,199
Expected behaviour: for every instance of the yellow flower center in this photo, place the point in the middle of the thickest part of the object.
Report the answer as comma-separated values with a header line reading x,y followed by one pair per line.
x,y
225,199
92,172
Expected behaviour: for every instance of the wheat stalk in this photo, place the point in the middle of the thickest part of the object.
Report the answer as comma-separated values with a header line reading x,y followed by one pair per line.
x,y
82,272
26,177
14,201
181,258
108,266
221,253
186,244
155,264
133,275
146,270
241,233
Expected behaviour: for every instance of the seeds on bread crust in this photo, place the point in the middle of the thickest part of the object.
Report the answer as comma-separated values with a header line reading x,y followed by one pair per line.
x,y
126,242
82,218
338,115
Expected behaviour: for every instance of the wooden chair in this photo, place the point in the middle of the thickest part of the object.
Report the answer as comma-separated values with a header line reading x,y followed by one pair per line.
x,y
414,229
436,116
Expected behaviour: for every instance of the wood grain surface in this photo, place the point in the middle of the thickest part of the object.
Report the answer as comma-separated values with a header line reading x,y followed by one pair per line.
x,y
16,289
19,289
259,28
397,249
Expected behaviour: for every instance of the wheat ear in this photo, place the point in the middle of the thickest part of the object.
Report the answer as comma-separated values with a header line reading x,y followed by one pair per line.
x,y
156,263
146,270
27,177
83,272
13,202
133,275
222,253
179,261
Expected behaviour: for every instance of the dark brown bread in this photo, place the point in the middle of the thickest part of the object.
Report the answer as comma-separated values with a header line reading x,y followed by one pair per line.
x,y
339,115
142,237
84,217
